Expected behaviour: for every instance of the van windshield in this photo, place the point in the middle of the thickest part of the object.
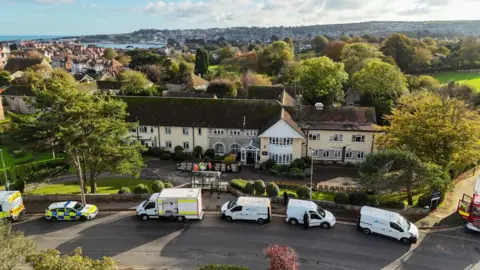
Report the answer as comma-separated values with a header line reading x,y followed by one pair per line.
x,y
144,204
321,212
404,223
232,203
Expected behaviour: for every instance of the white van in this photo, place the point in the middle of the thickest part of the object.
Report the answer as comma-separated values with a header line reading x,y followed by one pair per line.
x,y
247,208
391,224
177,203
11,205
317,216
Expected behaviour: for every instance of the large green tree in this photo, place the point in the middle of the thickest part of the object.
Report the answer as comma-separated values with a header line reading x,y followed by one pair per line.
x,y
135,83
319,43
400,47
14,247
110,53
273,58
141,58
4,78
353,55
321,79
201,61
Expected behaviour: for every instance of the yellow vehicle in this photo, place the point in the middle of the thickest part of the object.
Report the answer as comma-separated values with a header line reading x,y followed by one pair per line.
x,y
11,205
70,210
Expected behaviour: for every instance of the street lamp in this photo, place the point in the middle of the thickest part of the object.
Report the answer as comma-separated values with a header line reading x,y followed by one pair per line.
x,y
7,185
311,174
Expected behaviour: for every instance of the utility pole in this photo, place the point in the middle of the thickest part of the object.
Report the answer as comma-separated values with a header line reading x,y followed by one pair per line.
x,y
7,184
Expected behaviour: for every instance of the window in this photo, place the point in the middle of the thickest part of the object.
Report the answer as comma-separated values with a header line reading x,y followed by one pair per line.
x,y
143,129
185,131
354,154
314,215
281,141
358,138
61,210
218,131
237,209
151,130
359,155
251,132
395,226
186,145
281,158
200,131
150,205
235,132
168,130
336,138
219,148
234,148
168,144
314,136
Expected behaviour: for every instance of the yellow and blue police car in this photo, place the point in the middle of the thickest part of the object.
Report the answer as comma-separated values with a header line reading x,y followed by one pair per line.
x,y
70,210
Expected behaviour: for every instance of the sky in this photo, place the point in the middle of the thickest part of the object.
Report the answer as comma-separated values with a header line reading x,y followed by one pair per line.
x,y
84,17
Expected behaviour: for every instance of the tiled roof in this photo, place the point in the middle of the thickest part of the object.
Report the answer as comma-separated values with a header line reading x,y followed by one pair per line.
x,y
193,112
20,64
18,90
186,94
265,92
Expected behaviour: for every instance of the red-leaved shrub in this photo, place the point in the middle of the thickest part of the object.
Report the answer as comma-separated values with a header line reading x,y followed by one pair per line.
x,y
281,258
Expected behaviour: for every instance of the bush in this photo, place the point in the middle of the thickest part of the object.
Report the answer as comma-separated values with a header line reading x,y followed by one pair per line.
x,y
222,267
272,190
281,168
307,172
374,201
165,156
168,185
198,150
299,163
282,258
158,186
155,151
285,174
424,200
274,172
249,188
341,198
178,148
238,184
35,171
218,157
210,153
308,161
358,198
295,170
124,190
179,156
270,163
140,189
19,185
230,159
303,192
396,204
259,186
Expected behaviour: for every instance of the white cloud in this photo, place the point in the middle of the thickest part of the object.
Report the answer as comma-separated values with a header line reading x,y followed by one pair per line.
x,y
225,13
48,2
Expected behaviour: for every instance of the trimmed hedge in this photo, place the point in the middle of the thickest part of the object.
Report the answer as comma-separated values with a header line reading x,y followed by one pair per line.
x,y
165,156
222,267
140,189
396,204
35,171
178,148
168,185
124,190
341,198
259,186
270,163
238,184
272,190
179,156
303,192
249,188
358,198
158,186
299,164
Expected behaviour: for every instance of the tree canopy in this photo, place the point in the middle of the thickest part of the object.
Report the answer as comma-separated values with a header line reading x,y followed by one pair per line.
x,y
110,53
135,83
272,59
4,78
400,47
201,61
319,43
222,88
52,259
353,55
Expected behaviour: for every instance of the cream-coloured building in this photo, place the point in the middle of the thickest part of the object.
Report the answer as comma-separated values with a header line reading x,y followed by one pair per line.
x,y
254,129
16,97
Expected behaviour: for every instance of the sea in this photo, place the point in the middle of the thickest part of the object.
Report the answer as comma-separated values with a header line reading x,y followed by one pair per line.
x,y
19,37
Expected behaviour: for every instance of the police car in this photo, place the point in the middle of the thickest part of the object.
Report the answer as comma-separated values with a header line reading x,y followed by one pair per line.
x,y
70,210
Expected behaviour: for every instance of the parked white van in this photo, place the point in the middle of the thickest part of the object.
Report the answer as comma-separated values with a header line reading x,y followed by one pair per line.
x,y
317,216
247,208
391,224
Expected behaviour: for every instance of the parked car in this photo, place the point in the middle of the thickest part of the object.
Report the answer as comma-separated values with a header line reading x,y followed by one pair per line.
x,y
70,210
247,208
317,216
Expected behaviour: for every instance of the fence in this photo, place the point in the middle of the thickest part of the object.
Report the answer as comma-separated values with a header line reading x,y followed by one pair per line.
x,y
91,198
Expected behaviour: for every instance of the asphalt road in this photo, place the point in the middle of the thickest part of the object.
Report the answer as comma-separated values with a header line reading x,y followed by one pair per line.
x,y
167,244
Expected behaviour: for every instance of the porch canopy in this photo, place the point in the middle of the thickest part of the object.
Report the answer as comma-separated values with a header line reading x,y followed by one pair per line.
x,y
250,153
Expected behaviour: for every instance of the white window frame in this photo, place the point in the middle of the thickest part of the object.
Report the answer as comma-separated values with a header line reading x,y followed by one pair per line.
x,y
186,145
238,148
358,136
185,131
336,138
143,129
168,131
218,152
168,144
314,136
219,131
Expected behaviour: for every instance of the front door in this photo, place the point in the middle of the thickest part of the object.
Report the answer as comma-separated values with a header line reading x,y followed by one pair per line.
x,y
315,219
237,212
250,157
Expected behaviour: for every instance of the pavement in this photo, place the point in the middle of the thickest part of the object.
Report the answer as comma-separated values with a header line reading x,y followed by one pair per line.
x,y
159,244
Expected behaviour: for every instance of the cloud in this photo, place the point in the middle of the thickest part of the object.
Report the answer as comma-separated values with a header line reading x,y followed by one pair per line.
x,y
47,2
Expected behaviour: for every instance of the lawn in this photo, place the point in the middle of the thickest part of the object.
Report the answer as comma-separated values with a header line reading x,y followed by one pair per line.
x,y
104,186
399,196
29,157
466,77
213,68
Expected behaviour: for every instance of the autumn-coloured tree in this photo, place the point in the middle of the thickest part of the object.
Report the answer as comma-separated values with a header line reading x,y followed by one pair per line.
x,y
333,50
281,258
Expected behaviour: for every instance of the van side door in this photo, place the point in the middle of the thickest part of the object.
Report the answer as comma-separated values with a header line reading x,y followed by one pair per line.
x,y
395,231
237,212
315,219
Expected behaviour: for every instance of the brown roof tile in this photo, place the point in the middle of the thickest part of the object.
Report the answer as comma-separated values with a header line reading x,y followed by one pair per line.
x,y
21,64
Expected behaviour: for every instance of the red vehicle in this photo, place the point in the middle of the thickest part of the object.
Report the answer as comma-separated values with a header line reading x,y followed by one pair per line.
x,y
469,208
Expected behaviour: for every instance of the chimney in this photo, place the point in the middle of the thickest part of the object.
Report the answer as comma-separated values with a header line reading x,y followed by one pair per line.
x,y
319,106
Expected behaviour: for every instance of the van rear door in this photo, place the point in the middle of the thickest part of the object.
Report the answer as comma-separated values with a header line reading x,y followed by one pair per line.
x,y
464,205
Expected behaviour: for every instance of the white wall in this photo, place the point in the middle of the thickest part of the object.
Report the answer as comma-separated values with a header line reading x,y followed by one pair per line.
x,y
18,104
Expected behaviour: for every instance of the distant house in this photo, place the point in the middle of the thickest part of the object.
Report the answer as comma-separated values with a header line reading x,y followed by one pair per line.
x,y
21,64
352,97
188,82
15,97
4,53
114,86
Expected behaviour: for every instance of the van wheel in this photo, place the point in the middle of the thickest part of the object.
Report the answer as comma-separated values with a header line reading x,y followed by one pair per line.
x,y
325,225
367,231
405,241
181,219
228,219
293,222
144,217
83,218
260,221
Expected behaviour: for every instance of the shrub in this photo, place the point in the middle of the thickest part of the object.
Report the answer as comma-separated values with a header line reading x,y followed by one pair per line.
x,y
19,185
179,156
222,267
158,186
210,153
424,200
165,156
249,188
396,204
140,189
218,157
259,186
230,159
341,198
155,151
281,258
285,174
358,198
238,184
298,163
178,148
307,172
168,185
124,190
295,170
281,168
274,172
308,161
270,163
303,192
272,190
373,201
198,150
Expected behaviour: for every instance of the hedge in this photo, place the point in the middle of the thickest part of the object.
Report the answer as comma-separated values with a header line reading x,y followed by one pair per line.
x,y
222,267
140,189
272,190
358,198
341,198
158,186
259,186
238,184
303,192
124,190
396,204
249,188
35,171
165,156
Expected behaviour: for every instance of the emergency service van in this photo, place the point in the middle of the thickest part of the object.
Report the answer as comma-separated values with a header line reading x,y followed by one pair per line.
x,y
11,205
174,203
247,208
296,209
387,223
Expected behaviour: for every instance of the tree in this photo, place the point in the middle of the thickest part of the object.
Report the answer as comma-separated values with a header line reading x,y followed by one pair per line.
x,y
14,247
141,58
430,42
438,129
289,41
154,73
53,259
442,50
272,59
290,73
400,47
124,59
33,54
422,59
252,79
4,78
321,79
226,52
281,258
185,68
110,53
134,82
319,43
421,83
333,50
353,55
222,88
345,38
201,61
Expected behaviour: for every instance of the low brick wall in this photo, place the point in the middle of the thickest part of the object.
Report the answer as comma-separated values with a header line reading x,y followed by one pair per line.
x,y
91,198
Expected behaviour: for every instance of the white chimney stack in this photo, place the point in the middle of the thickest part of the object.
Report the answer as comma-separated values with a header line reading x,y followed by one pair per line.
x,y
319,106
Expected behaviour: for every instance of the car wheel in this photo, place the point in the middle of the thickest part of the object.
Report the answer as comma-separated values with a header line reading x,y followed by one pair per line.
x,y
181,219
367,231
53,219
228,219
405,241
260,221
83,218
325,225
144,217
293,222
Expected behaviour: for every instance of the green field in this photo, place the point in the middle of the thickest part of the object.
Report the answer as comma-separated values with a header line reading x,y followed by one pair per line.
x,y
29,157
104,186
467,77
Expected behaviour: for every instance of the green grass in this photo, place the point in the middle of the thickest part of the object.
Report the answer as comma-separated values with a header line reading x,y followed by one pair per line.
x,y
399,196
29,157
465,77
213,68
104,186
